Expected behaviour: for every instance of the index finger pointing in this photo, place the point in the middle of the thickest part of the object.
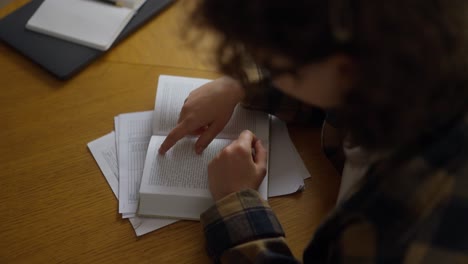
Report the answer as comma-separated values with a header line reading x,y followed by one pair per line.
x,y
175,135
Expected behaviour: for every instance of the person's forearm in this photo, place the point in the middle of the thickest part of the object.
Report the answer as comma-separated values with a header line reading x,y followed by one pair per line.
x,y
235,87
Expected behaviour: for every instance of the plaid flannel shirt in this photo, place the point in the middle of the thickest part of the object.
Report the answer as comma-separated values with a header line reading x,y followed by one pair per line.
x,y
411,208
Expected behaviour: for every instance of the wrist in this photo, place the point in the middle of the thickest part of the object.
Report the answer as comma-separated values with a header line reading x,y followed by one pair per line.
x,y
217,197
235,88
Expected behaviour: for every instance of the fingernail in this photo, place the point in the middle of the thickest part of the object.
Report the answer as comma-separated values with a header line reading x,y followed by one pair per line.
x,y
161,151
199,150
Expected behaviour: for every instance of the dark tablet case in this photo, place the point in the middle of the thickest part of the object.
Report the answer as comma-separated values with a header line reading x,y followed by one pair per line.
x,y
62,58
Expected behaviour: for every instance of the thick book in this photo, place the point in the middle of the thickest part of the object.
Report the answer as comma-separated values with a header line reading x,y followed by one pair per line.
x,y
92,23
175,185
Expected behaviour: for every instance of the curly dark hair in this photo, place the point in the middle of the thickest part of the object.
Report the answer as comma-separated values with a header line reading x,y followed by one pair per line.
x,y
411,54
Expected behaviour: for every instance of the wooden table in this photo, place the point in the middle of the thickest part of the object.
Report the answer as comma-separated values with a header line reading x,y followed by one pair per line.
x,y
55,204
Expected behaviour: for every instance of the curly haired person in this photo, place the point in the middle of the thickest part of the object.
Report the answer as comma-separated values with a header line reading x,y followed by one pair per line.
x,y
393,76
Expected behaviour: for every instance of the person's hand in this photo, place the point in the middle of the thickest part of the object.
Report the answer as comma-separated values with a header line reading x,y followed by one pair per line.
x,y
206,112
240,165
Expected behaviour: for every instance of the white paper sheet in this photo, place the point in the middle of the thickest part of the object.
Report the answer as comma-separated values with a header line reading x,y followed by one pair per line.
x,y
287,171
134,131
103,149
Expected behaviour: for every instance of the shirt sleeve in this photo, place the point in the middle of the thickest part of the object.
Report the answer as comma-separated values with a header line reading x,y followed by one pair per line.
x,y
242,228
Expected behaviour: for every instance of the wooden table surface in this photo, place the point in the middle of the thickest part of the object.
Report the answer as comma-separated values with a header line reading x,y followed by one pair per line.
x,y
56,205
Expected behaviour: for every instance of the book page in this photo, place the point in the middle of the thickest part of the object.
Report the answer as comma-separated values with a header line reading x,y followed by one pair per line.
x,y
170,97
242,119
171,94
181,167
175,185
134,135
104,152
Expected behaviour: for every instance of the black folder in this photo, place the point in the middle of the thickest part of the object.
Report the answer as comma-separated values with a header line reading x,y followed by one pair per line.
x,y
59,57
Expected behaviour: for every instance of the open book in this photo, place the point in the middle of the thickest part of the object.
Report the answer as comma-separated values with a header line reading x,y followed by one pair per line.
x,y
92,23
175,185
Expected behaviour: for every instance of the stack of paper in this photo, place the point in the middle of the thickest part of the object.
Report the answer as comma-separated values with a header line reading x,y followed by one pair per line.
x,y
121,158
